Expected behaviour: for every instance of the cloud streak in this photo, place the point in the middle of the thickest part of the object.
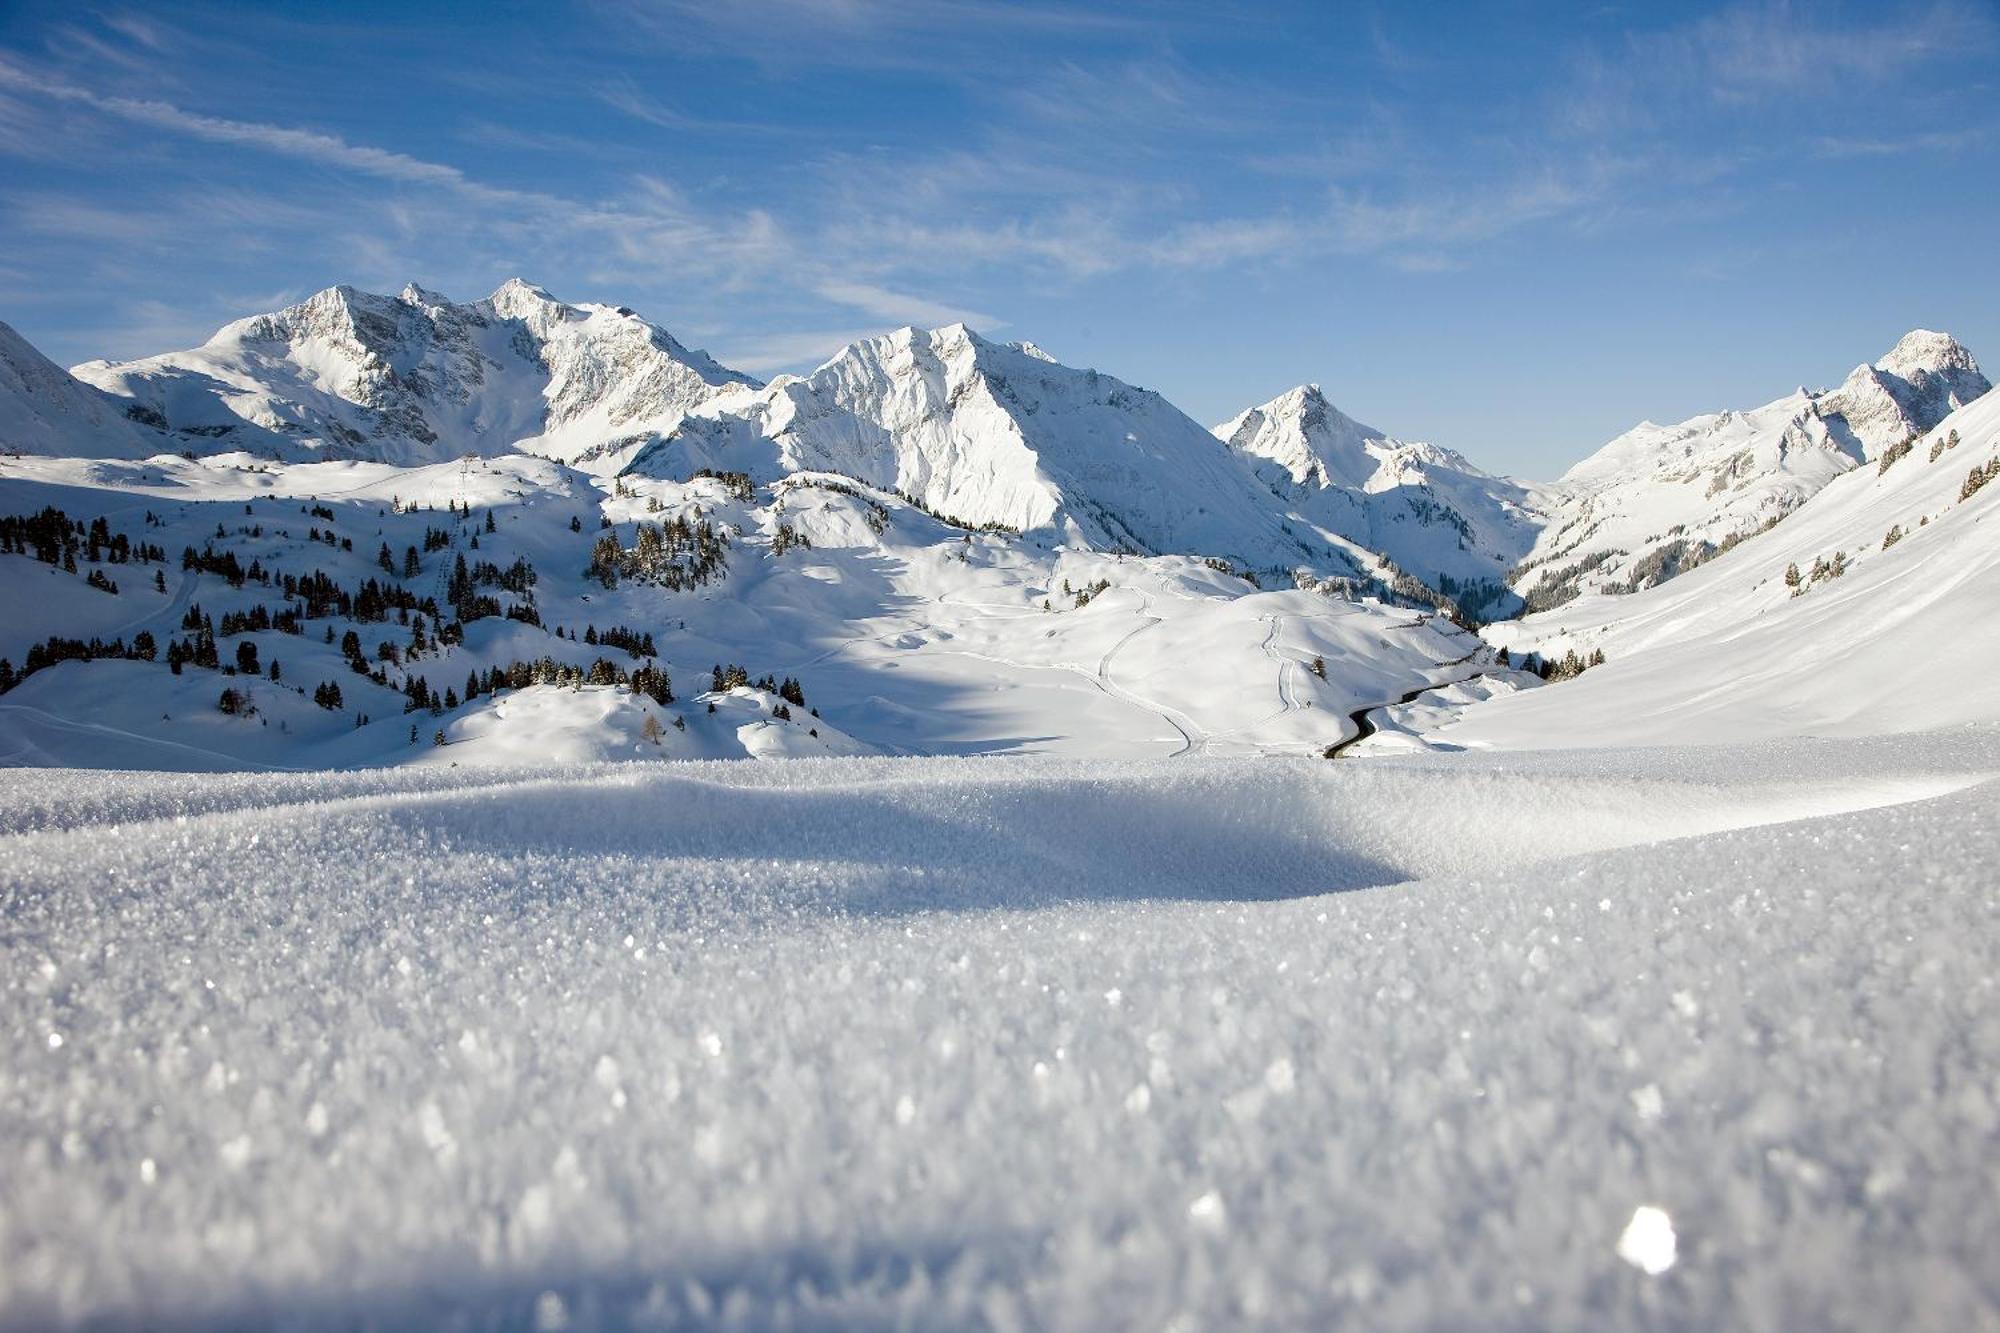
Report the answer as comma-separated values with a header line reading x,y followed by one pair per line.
x,y
1122,155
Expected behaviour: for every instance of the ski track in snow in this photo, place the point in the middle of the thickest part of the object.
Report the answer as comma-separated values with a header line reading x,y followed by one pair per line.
x,y
1008,1043
1193,739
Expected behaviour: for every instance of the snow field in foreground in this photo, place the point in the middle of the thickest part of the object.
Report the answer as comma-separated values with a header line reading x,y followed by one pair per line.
x,y
1009,1043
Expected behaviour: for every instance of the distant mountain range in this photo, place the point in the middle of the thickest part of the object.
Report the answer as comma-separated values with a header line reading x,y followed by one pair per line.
x,y
986,433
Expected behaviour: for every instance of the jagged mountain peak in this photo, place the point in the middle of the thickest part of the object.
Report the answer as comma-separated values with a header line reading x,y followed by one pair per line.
x,y
991,432
1422,505
1922,351
414,377
519,288
520,299
1660,499
1311,440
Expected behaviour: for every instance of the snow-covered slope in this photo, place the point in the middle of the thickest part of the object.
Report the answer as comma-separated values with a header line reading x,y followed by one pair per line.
x,y
1424,507
415,378
997,434
1660,499
1893,623
46,410
1008,1044
857,524
907,634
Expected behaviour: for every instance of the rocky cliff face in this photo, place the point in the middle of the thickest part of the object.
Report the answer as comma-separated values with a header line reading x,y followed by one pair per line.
x,y
1002,434
1660,499
1425,507
416,378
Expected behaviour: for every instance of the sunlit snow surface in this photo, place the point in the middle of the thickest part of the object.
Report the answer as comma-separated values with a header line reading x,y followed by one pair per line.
x,y
1010,1043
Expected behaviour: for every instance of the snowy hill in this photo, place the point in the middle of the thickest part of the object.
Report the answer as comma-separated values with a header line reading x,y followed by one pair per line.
x,y
46,410
507,608
1001,435
1424,507
959,546
415,378
1659,500
1874,607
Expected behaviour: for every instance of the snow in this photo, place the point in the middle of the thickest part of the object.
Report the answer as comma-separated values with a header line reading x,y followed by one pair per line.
x,y
1648,1243
1683,1038
548,724
415,379
995,434
1042,974
1425,507
1729,474
910,636
1903,640
43,410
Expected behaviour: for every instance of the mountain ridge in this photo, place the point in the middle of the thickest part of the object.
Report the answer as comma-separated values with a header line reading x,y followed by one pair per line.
x,y
989,433
416,378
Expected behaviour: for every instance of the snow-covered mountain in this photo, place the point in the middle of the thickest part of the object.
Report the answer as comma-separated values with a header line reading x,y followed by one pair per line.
x,y
1874,607
1423,506
968,545
46,410
1000,434
416,378
1659,500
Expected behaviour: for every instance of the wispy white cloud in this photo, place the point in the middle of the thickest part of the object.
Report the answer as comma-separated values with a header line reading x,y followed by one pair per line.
x,y
1759,53
767,354
957,39
1123,156
900,307
310,145
1834,147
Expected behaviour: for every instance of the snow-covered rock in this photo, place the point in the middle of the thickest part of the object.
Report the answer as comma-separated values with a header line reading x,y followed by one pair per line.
x,y
1875,607
415,378
995,434
1423,506
1660,499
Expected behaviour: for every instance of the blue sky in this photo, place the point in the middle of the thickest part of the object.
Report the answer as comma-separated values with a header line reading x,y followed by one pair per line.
x,y
1513,228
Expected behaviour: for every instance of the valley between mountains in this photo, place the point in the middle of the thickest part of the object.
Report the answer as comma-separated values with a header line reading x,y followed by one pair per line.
x,y
373,530
1112,871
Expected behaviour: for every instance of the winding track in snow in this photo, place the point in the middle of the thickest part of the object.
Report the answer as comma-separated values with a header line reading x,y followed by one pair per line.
x,y
1193,739
1364,727
51,720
